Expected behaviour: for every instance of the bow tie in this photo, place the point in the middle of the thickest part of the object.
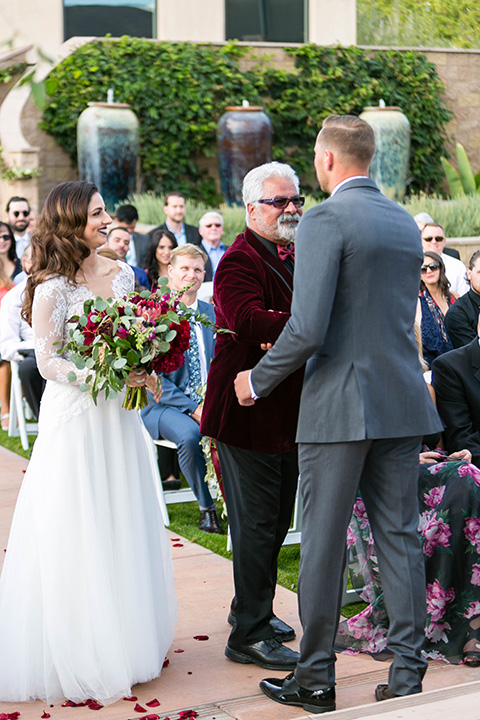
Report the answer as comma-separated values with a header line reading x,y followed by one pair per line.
x,y
286,252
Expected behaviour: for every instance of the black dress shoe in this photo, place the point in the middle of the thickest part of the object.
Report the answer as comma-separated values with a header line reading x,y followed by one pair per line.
x,y
210,522
172,484
383,692
283,632
269,654
289,692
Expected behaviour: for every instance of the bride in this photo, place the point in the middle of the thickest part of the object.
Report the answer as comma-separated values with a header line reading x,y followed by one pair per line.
x,y
87,600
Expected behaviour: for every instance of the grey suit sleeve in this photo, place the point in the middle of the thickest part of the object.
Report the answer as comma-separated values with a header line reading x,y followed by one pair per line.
x,y
318,251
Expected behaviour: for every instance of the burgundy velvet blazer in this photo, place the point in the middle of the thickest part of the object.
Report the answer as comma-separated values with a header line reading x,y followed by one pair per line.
x,y
250,283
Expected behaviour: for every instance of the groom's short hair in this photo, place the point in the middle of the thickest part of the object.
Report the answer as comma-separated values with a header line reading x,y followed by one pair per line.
x,y
350,136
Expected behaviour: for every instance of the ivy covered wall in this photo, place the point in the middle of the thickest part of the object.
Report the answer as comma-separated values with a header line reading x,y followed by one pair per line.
x,y
179,91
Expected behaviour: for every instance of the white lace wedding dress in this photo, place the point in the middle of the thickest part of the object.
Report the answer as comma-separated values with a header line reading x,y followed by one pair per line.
x,y
87,600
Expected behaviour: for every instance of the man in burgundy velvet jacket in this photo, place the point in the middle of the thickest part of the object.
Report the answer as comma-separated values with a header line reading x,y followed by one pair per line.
x,y
256,446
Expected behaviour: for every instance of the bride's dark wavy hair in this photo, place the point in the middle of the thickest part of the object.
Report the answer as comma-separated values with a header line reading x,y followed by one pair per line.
x,y
58,247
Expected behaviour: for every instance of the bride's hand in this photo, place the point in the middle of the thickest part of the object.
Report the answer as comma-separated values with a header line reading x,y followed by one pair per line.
x,y
154,384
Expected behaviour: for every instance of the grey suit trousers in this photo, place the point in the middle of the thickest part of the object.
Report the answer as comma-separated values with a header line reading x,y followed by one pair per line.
x,y
387,473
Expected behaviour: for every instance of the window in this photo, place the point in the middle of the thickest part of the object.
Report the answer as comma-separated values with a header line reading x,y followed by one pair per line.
x,y
266,20
117,17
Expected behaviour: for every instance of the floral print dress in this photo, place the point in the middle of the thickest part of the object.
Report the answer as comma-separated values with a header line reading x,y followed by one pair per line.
x,y
449,528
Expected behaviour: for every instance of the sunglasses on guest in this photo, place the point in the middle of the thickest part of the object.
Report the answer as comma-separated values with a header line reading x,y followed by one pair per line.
x,y
437,238
282,202
433,266
213,225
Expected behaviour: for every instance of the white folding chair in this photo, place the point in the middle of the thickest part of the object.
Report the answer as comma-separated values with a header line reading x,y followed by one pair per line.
x,y
17,424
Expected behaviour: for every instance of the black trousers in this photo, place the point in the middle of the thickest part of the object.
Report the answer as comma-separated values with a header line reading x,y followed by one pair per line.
x,y
32,383
260,493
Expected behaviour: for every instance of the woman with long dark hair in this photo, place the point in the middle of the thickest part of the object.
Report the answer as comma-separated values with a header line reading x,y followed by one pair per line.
x,y
8,253
87,603
158,255
434,300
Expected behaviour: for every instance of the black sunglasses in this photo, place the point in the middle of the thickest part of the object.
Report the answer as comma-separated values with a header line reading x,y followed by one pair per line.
x,y
437,238
433,266
282,202
5,237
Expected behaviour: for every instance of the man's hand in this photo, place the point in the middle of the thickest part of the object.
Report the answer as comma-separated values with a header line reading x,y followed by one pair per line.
x,y
197,414
242,388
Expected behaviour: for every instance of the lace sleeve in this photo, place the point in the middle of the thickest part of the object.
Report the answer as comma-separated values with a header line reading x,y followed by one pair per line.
x,y
50,313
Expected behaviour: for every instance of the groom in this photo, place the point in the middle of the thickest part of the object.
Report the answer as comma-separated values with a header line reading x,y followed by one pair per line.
x,y
363,410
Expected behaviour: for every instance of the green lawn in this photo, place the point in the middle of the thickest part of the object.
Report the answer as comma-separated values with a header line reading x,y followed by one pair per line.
x,y
184,520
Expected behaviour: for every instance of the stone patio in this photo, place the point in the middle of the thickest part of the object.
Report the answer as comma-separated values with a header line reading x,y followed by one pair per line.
x,y
200,678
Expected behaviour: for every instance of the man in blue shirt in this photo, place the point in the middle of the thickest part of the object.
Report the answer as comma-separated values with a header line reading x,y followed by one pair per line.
x,y
210,228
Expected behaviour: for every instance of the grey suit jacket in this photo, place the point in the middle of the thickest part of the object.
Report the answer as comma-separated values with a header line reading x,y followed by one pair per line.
x,y
356,282
142,243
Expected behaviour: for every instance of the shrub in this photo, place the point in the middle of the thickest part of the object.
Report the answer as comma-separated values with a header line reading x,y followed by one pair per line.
x,y
459,217
179,91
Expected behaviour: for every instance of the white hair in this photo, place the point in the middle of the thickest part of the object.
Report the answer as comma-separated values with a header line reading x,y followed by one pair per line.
x,y
253,181
208,214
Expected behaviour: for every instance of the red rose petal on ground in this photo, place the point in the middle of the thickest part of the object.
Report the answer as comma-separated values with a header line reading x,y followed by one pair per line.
x,y
45,715
201,637
131,699
189,672
139,708
174,539
70,703
153,703
177,545
166,662
151,717
94,705
179,650
184,714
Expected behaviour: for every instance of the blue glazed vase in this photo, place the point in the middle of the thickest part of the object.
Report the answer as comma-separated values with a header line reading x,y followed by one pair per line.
x,y
390,165
244,141
107,143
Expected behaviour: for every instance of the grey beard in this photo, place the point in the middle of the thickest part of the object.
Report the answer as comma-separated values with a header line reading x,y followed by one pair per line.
x,y
287,226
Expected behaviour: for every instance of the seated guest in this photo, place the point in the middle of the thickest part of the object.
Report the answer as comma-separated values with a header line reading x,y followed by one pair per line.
x,y
456,380
422,219
8,254
462,318
449,505
5,375
434,301
18,215
174,209
434,238
127,217
15,330
176,416
158,255
210,227
118,240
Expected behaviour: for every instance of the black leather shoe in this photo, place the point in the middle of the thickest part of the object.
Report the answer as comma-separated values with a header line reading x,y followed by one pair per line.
x,y
210,522
172,484
283,632
269,654
383,692
289,692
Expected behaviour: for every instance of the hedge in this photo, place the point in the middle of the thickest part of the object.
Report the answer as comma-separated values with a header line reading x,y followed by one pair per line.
x,y
179,91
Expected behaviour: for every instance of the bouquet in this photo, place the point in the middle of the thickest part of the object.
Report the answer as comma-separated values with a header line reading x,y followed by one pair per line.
x,y
148,331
